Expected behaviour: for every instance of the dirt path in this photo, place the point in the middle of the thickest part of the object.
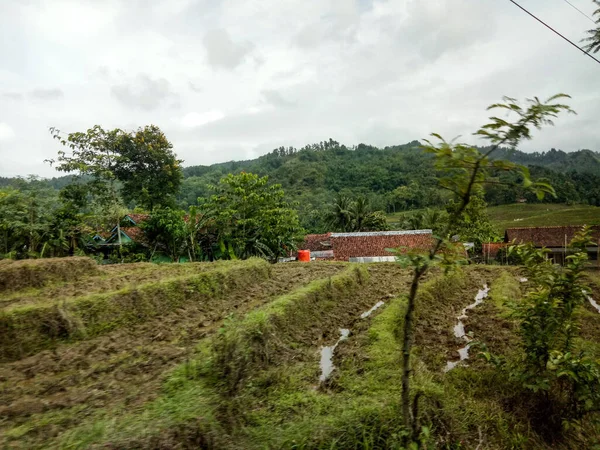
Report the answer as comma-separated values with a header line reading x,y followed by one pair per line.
x,y
54,390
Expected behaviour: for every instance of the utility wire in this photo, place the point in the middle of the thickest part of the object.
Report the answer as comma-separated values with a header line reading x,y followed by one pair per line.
x,y
553,30
580,11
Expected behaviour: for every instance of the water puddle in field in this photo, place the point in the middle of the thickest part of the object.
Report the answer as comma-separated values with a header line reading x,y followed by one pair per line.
x,y
326,363
459,328
369,312
593,302
327,356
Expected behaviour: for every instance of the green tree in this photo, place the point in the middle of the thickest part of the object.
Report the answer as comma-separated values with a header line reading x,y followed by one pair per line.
x,y
69,230
148,169
166,231
593,39
473,224
347,215
251,217
340,217
429,219
556,378
95,157
464,169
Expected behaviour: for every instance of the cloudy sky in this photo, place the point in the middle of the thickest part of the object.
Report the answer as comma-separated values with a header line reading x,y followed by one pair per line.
x,y
233,79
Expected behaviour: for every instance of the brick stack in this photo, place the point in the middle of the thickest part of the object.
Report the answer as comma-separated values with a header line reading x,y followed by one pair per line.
x,y
316,242
352,245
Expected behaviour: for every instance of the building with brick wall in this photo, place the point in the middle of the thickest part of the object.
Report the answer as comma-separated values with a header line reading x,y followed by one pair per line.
x,y
344,246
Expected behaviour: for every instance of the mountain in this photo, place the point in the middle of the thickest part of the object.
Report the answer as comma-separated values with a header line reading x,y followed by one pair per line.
x,y
391,178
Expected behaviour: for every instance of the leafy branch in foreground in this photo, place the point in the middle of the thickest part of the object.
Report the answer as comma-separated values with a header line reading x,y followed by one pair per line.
x,y
558,379
465,170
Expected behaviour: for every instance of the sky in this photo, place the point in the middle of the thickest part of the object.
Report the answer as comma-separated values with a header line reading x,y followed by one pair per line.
x,y
233,79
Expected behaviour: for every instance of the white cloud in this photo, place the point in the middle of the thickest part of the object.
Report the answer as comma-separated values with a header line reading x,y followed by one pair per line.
x,y
194,119
229,79
6,132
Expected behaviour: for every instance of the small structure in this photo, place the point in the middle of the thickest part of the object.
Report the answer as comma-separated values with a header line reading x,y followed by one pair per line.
x,y
365,246
556,239
489,250
130,230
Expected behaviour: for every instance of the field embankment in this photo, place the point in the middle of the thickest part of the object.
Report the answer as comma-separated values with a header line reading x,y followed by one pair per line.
x,y
200,377
54,390
35,273
31,327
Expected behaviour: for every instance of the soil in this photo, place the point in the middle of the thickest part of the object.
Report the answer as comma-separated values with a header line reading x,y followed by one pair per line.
x,y
126,367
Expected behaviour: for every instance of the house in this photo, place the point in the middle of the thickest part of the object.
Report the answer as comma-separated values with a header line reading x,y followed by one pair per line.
x,y
365,246
130,230
556,239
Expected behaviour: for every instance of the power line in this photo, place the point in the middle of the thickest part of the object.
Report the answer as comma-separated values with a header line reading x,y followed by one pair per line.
x,y
580,11
554,31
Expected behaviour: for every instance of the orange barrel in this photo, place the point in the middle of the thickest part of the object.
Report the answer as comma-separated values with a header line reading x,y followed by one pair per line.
x,y
304,255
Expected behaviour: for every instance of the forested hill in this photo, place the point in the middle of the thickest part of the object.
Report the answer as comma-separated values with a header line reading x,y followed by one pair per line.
x,y
585,161
391,178
316,173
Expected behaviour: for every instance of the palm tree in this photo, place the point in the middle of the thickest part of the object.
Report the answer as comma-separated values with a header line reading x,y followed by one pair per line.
x,y
360,211
340,217
594,35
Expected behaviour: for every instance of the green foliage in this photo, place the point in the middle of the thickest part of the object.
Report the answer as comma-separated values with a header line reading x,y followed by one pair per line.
x,y
250,218
148,168
565,380
593,39
166,230
473,224
464,171
25,217
141,161
348,215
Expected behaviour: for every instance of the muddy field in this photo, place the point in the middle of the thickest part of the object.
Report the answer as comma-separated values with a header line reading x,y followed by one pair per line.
x,y
242,371
56,389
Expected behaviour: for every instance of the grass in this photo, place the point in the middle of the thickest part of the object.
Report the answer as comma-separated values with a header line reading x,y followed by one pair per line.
x,y
33,327
15,275
538,215
529,215
195,388
254,385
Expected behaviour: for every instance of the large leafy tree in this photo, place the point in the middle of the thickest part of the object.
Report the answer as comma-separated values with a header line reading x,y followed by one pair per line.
x,y
141,163
148,168
251,218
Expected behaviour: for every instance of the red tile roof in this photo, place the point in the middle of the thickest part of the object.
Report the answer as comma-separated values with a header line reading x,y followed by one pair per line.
x,y
138,218
547,236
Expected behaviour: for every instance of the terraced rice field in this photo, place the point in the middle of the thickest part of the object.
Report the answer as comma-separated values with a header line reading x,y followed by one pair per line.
x,y
230,356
